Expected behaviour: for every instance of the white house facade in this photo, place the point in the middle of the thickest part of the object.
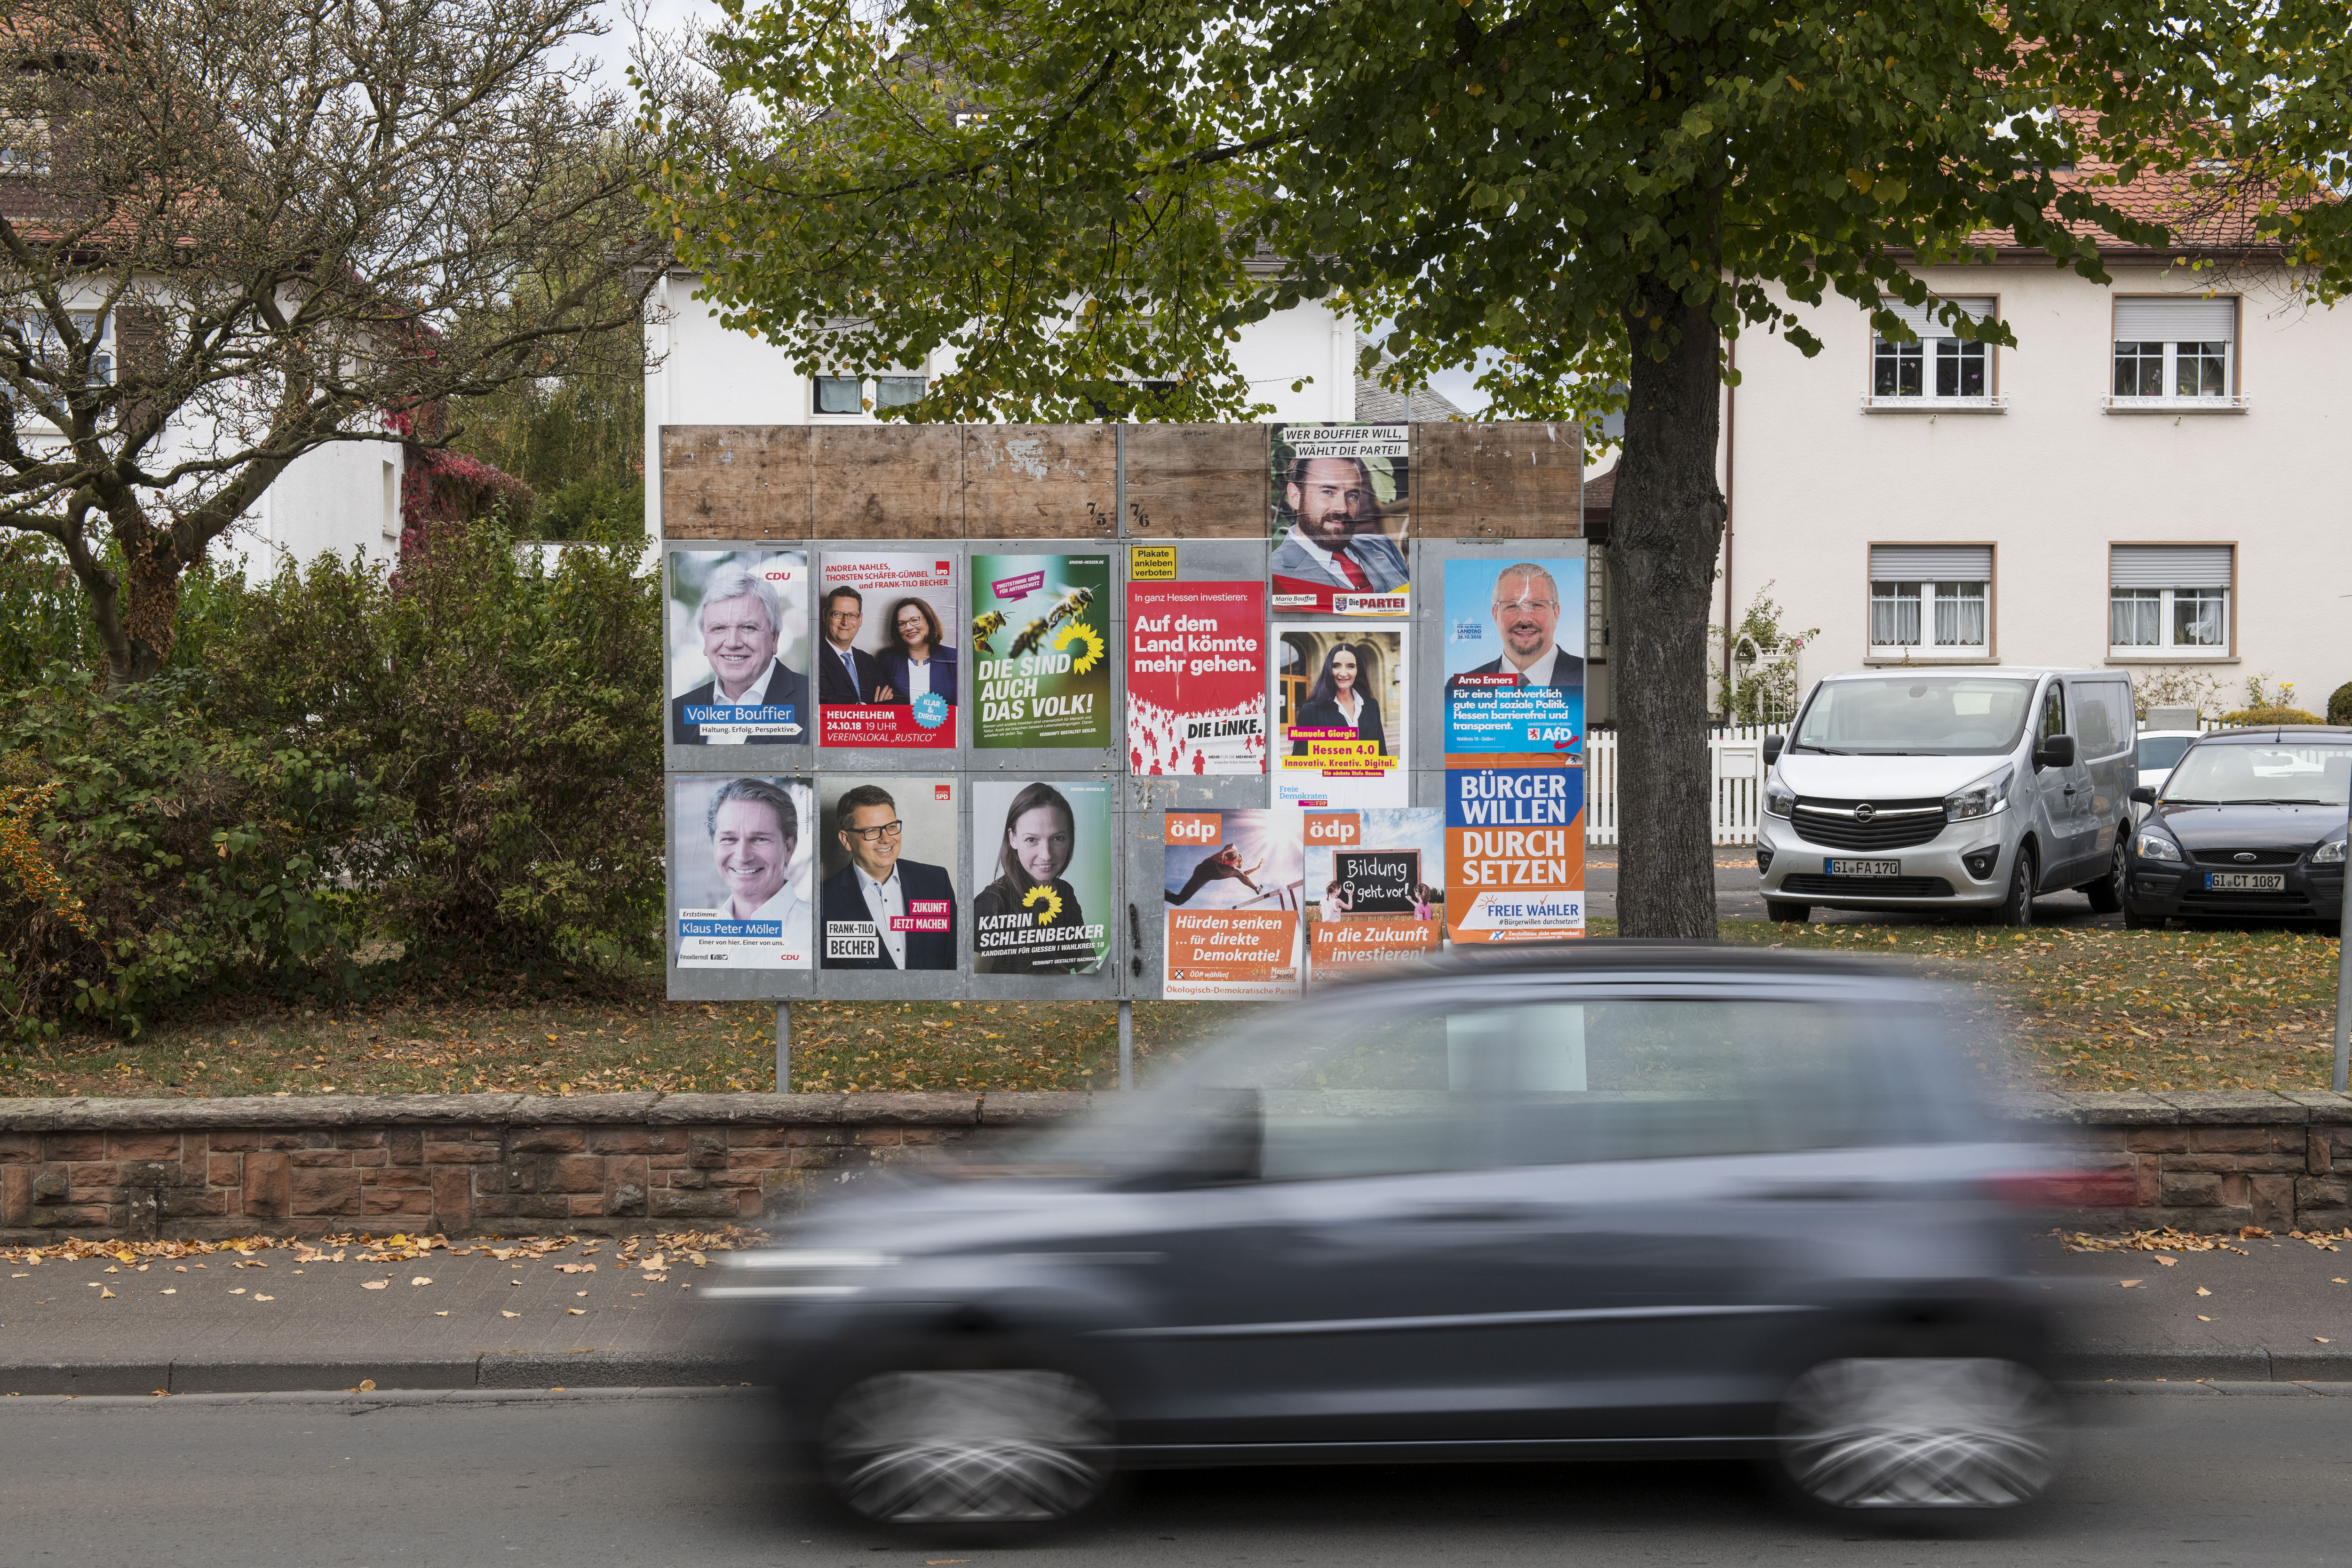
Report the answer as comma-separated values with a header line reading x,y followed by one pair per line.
x,y
2152,479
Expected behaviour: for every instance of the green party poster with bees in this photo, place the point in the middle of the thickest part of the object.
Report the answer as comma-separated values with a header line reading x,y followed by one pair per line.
x,y
1041,637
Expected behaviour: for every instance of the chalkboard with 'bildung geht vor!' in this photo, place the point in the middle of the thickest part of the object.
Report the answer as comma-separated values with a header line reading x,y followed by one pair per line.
x,y
1377,882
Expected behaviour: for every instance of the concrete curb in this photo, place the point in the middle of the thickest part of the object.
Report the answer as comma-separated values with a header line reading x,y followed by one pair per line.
x,y
502,1372
495,1370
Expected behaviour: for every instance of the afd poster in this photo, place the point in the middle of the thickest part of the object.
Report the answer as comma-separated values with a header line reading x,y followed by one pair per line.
x,y
1040,651
737,625
1514,843
1375,887
1341,505
1341,716
885,655
1196,678
744,852
888,897
1514,665
1231,894
1041,859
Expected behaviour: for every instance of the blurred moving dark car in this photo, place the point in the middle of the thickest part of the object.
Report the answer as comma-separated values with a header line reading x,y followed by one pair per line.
x,y
1622,1200
2249,825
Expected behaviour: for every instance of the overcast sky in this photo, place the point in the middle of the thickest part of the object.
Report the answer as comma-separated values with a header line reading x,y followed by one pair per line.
x,y
610,55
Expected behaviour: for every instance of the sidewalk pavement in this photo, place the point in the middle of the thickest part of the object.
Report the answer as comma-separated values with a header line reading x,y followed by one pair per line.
x,y
2278,1311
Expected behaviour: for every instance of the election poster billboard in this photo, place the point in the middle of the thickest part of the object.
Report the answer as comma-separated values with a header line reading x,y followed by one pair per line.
x,y
1042,858
1515,846
1514,635
1341,506
1040,651
885,652
1341,716
1196,678
1375,887
737,625
887,899
742,856
1231,881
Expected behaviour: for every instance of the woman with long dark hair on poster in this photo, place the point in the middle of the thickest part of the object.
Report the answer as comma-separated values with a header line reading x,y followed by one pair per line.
x,y
1040,836
915,659
1341,699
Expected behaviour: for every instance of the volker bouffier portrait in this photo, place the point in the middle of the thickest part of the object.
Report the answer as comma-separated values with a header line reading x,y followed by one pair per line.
x,y
738,632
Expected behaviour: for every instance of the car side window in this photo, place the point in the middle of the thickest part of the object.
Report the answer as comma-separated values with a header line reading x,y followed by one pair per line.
x,y
1376,1100
2095,718
2053,711
1645,1079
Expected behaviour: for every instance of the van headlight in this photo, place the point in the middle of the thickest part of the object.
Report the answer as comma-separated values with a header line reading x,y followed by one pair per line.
x,y
2328,853
1779,800
1982,798
2156,847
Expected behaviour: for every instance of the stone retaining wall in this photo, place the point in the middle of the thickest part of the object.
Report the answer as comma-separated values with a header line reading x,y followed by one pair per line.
x,y
606,1163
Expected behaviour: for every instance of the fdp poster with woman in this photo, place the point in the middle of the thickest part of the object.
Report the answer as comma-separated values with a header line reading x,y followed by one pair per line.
x,y
1041,862
1340,697
1231,881
743,850
885,655
1040,651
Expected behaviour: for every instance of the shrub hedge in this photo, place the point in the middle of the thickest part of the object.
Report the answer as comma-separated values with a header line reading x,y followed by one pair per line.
x,y
460,759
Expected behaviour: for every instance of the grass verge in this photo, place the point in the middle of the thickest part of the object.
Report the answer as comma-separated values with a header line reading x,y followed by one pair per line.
x,y
2092,1009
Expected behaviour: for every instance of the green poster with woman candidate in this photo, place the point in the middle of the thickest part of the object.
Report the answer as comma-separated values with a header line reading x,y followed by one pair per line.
x,y
1041,648
1042,865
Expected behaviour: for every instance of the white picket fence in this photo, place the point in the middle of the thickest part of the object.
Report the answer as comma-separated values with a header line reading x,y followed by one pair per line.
x,y
1736,757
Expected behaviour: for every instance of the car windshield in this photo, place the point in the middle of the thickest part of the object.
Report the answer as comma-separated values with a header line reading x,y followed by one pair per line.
x,y
2225,775
1336,1088
2161,751
1915,715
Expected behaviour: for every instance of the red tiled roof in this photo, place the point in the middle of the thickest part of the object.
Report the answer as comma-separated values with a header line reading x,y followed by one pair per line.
x,y
2210,207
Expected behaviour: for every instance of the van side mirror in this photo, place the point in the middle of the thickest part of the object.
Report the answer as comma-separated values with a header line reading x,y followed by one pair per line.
x,y
2143,795
1773,746
2055,752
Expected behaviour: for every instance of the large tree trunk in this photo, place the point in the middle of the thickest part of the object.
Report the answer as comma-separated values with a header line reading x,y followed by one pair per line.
x,y
1665,528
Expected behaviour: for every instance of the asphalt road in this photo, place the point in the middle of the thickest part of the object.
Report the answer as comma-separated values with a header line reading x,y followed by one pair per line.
x,y
2183,1474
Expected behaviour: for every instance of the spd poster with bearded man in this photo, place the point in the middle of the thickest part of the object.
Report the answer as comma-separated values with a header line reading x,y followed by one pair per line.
x,y
743,851
1341,505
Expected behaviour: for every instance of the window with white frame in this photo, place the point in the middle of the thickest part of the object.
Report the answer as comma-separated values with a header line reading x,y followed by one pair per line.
x,y
2173,349
50,351
2168,600
1931,601
863,394
1938,368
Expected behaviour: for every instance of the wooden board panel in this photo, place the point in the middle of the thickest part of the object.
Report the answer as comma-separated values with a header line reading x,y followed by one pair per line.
x,y
1040,481
1196,482
1496,481
735,481
887,482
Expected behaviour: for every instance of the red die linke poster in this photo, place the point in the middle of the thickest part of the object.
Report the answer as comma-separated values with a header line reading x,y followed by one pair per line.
x,y
1196,678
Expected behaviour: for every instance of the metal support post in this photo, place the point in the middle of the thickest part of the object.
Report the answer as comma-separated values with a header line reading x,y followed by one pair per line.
x,y
2344,983
784,1047
1127,1045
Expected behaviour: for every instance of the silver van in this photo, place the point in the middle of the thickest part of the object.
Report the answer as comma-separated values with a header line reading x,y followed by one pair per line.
x,y
1950,789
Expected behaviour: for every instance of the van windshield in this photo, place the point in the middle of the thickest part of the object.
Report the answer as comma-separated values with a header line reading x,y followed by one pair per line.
x,y
1915,716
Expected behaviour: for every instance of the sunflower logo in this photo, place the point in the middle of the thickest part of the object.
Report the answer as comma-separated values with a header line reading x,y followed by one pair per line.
x,y
1041,894
1076,632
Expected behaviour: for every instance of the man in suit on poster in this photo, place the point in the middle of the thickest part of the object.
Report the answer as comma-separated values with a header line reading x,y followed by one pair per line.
x,y
1336,541
847,675
876,888
1525,608
741,626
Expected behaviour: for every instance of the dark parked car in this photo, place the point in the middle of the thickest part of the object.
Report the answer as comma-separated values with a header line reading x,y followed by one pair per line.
x,y
2251,823
1616,1200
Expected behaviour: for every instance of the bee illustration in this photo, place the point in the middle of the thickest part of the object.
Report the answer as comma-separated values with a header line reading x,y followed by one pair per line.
x,y
1074,602
985,627
1030,636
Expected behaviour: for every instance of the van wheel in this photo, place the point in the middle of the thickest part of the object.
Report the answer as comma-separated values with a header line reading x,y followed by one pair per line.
x,y
2017,910
1916,1436
1786,913
2106,894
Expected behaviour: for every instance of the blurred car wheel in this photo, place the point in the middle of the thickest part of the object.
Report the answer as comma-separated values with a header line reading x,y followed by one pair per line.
x,y
1912,1435
1025,1446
